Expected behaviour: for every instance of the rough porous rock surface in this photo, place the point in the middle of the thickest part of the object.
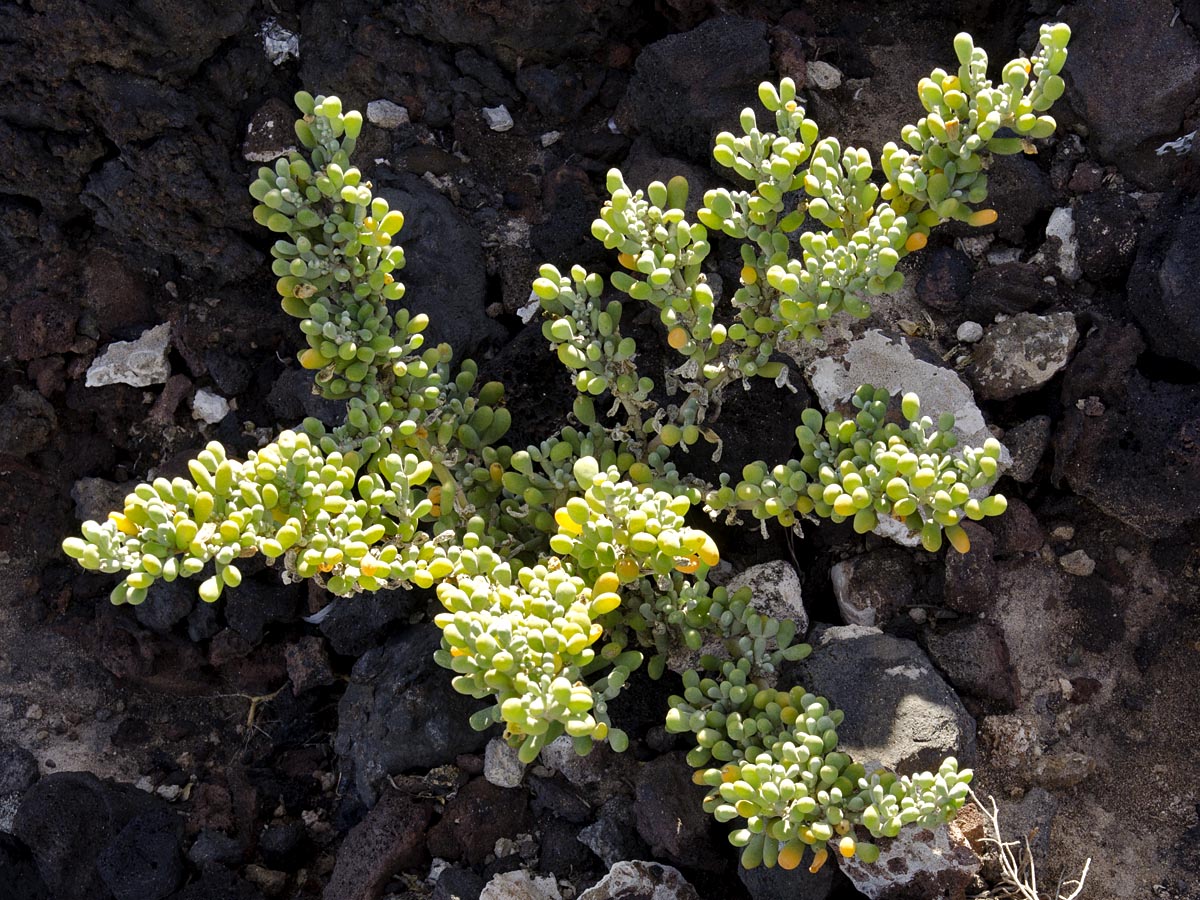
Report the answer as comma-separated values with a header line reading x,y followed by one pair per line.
x,y
688,87
1162,285
83,835
899,711
639,879
389,839
399,714
669,817
926,863
1133,73
1021,354
1125,439
873,588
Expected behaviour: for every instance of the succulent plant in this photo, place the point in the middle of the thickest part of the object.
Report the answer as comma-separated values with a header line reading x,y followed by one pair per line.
x,y
564,566
865,467
770,757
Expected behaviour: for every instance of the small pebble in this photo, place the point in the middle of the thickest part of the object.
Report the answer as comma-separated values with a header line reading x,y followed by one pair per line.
x,y
1077,562
498,118
969,332
386,114
823,76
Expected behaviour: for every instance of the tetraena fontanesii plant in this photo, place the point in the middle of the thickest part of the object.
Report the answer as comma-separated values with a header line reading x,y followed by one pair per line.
x,y
565,566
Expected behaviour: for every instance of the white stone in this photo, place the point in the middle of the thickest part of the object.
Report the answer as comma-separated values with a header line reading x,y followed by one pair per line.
x,y
138,363
643,880
209,407
943,857
969,332
521,885
278,43
776,592
501,766
1062,226
550,138
823,76
498,118
876,359
386,114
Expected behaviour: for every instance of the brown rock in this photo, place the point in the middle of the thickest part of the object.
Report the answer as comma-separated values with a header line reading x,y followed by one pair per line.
x,y
975,661
971,576
670,818
390,839
308,664
470,825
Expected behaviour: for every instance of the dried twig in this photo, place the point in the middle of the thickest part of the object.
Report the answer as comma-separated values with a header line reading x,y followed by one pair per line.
x,y
1018,868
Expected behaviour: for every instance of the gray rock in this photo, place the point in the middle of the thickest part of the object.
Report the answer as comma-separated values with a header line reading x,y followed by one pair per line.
x,y
874,587
445,273
918,863
1061,228
775,591
521,885
1132,74
688,87
497,118
670,816
279,44
975,660
209,407
1077,562
139,363
639,880
876,359
386,114
1027,443
969,332
1162,284
1021,354
822,75
500,764
610,837
400,712
899,712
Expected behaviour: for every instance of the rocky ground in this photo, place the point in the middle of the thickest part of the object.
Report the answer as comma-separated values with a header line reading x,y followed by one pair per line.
x,y
185,751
